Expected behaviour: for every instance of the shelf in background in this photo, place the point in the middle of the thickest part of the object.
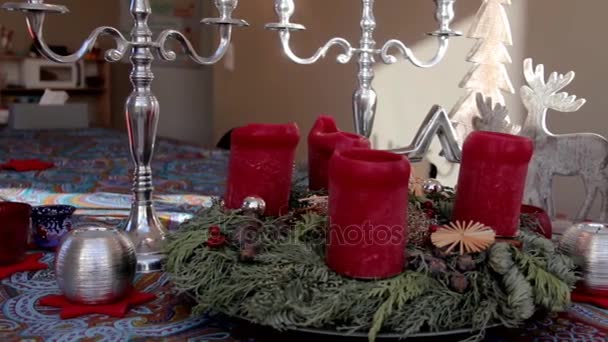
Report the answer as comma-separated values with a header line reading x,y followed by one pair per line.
x,y
11,58
98,97
16,58
29,91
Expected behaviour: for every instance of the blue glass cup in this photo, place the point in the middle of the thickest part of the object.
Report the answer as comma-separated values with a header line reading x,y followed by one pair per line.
x,y
50,223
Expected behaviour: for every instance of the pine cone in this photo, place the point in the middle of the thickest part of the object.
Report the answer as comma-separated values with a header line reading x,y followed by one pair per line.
x,y
459,282
248,253
246,234
441,253
466,263
414,261
437,266
314,204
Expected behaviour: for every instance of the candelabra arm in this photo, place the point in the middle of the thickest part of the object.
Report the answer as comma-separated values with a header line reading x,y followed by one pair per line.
x,y
321,52
169,55
409,54
35,24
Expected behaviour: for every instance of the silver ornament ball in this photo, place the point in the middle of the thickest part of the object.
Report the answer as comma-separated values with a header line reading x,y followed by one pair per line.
x,y
432,186
95,265
254,204
587,245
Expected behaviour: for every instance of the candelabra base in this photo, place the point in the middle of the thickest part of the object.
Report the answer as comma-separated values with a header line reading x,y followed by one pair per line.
x,y
148,235
149,263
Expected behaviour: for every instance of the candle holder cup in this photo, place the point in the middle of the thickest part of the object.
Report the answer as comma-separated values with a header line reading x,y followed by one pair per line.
x,y
50,223
14,231
95,265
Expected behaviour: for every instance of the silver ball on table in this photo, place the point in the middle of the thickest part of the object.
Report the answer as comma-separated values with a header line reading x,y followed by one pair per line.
x,y
587,245
95,265
432,186
254,204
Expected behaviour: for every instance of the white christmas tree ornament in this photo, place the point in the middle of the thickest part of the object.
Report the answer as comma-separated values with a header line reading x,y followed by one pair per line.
x,y
489,76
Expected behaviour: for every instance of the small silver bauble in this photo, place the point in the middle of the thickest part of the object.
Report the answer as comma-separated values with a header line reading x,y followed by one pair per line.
x,y
95,265
432,186
254,204
587,245
209,202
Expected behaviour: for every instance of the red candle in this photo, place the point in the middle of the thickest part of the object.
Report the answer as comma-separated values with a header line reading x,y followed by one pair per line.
x,y
261,164
323,140
492,180
368,200
14,231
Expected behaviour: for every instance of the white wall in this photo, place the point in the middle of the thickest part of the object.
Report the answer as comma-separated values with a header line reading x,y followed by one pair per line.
x,y
184,95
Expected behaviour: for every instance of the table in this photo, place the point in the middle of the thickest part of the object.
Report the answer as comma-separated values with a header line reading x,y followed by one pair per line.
x,y
92,173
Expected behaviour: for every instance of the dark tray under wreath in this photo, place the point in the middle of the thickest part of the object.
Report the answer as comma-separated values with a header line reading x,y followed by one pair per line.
x,y
246,331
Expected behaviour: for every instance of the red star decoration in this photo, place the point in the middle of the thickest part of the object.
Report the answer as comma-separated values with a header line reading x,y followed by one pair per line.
x,y
30,263
27,165
119,309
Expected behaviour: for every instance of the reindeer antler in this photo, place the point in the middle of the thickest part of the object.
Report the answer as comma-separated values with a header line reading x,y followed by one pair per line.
x,y
564,103
548,91
492,119
535,78
558,82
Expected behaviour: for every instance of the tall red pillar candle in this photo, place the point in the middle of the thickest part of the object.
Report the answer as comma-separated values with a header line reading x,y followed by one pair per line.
x,y
368,201
14,231
492,180
323,140
261,164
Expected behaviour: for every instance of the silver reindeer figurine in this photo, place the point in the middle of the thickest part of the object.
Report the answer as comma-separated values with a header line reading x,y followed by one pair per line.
x,y
581,154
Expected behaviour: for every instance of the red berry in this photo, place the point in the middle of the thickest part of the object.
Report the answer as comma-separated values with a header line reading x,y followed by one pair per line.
x,y
430,213
215,242
215,231
428,205
433,228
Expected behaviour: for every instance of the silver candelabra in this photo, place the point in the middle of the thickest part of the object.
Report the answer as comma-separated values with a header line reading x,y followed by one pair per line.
x,y
365,97
142,108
